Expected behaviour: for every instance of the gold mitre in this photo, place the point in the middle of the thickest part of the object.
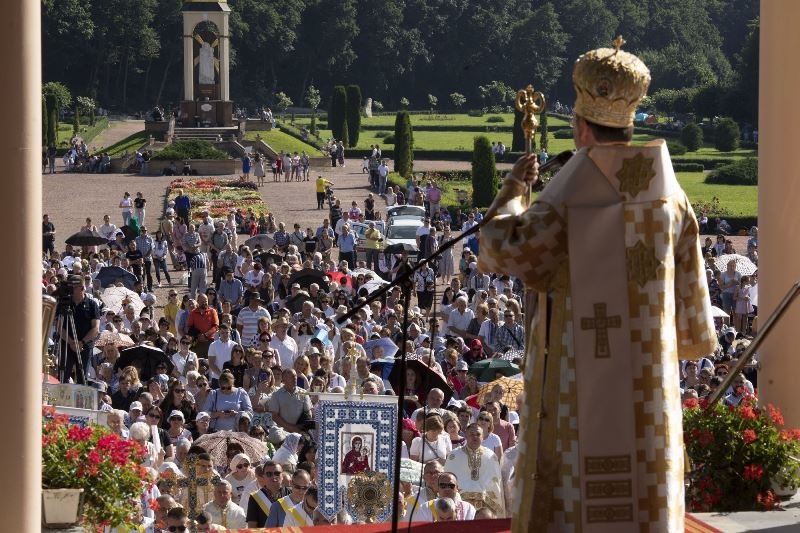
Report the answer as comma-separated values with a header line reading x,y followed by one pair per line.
x,y
609,84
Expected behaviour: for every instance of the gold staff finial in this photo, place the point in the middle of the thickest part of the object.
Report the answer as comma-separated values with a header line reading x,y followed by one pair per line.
x,y
529,102
618,43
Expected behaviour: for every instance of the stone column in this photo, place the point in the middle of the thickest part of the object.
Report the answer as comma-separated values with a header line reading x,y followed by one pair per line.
x,y
21,331
778,194
224,57
188,60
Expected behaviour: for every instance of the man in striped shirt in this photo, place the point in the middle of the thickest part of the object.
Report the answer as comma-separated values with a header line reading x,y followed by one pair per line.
x,y
198,264
247,321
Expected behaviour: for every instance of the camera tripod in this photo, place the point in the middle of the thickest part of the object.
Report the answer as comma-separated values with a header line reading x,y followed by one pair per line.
x,y
65,323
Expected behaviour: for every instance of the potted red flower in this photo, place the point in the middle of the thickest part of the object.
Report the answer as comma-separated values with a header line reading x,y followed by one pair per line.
x,y
740,456
104,470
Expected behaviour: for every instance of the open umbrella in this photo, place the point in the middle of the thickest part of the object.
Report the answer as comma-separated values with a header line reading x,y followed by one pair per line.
x,y
267,258
86,238
382,367
307,276
110,275
113,338
488,369
115,297
512,387
744,265
262,239
716,312
365,272
373,285
295,303
339,277
389,348
427,379
146,358
129,233
398,248
216,444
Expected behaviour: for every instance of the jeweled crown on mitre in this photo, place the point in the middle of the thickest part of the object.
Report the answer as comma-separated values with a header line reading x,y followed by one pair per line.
x,y
609,84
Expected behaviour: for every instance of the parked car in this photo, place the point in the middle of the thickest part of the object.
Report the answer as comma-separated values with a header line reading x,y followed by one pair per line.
x,y
405,210
403,230
360,228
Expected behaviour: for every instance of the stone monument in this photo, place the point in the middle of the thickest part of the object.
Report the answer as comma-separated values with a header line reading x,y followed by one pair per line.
x,y
206,61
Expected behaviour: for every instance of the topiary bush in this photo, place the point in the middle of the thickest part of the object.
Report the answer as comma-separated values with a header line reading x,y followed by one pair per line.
x,y
382,134
353,113
337,113
742,172
726,135
484,173
404,144
563,134
676,148
692,137
190,149
495,118
389,139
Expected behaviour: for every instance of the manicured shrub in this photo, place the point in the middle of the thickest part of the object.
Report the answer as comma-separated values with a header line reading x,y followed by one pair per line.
x,y
353,113
676,148
190,149
517,137
726,135
389,139
692,137
403,144
484,173
337,113
495,118
742,172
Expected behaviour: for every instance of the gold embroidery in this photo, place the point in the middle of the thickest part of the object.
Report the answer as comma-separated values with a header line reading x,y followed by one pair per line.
x,y
601,323
612,464
642,263
635,174
609,513
608,489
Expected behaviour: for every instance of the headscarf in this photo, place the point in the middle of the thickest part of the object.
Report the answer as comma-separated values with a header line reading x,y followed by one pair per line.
x,y
287,453
239,458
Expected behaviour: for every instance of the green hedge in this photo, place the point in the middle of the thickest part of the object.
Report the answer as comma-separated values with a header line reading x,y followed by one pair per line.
x,y
676,148
709,163
190,149
297,134
742,172
93,131
687,167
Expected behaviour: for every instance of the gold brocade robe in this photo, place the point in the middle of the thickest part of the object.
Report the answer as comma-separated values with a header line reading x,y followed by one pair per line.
x,y
614,241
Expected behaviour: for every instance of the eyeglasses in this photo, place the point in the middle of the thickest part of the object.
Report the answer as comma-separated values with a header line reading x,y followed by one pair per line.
x,y
272,473
177,528
154,415
509,316
187,343
226,389
299,487
484,419
201,383
179,391
447,485
241,466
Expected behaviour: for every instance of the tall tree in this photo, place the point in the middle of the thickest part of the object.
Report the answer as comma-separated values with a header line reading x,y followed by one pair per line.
x,y
484,173
353,113
337,112
403,144
538,54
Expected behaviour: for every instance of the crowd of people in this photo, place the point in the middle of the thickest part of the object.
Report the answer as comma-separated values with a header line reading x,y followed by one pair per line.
x,y
249,347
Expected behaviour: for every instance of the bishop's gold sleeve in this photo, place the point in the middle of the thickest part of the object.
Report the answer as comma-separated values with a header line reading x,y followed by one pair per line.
x,y
696,334
528,244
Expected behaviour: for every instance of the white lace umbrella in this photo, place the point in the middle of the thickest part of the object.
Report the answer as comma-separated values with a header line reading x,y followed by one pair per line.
x,y
113,297
744,265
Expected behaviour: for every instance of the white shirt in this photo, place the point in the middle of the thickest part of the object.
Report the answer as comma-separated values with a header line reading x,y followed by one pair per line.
x,y
221,352
287,350
291,520
458,320
235,518
432,450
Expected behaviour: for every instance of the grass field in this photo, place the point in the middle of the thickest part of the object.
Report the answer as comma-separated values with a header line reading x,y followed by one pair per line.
x,y
282,142
739,200
129,144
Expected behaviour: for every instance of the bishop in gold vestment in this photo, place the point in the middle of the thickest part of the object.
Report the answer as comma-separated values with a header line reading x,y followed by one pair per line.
x,y
614,241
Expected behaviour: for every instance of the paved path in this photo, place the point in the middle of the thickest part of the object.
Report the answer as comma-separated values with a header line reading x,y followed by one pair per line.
x,y
117,130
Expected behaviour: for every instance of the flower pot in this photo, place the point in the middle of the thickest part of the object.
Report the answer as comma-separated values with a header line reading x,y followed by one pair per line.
x,y
782,484
61,508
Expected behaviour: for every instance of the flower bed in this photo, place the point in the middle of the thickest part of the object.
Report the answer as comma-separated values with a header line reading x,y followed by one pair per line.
x,y
219,197
108,468
736,455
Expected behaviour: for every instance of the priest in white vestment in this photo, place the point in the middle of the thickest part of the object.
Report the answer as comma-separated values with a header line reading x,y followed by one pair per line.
x,y
478,472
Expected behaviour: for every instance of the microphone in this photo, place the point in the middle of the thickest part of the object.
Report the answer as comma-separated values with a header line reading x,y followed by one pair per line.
x,y
555,163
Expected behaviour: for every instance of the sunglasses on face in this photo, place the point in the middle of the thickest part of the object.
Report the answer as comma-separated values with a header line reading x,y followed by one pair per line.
x,y
447,485
154,415
484,419
273,473
173,529
242,466
186,343
226,389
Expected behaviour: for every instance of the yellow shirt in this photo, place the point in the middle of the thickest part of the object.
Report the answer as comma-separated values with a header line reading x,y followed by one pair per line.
x,y
372,237
171,314
321,182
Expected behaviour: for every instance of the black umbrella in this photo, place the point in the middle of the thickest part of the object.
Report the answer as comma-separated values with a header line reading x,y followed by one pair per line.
x,y
427,379
86,238
109,276
267,258
295,303
398,248
146,358
129,232
307,276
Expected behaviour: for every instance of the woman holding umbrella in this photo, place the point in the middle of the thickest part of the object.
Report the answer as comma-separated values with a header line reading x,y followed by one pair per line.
x,y
225,403
176,400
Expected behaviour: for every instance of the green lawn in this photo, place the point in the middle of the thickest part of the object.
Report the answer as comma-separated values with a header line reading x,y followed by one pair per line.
x,y
739,200
461,119
282,142
129,144
710,151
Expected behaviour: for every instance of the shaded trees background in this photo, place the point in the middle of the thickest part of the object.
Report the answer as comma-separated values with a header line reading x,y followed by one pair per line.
x,y
127,54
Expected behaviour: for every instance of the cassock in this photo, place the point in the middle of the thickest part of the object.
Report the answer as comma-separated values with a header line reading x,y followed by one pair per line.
x,y
479,479
614,241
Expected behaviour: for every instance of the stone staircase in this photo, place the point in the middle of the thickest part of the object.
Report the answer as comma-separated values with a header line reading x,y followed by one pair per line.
x,y
205,134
